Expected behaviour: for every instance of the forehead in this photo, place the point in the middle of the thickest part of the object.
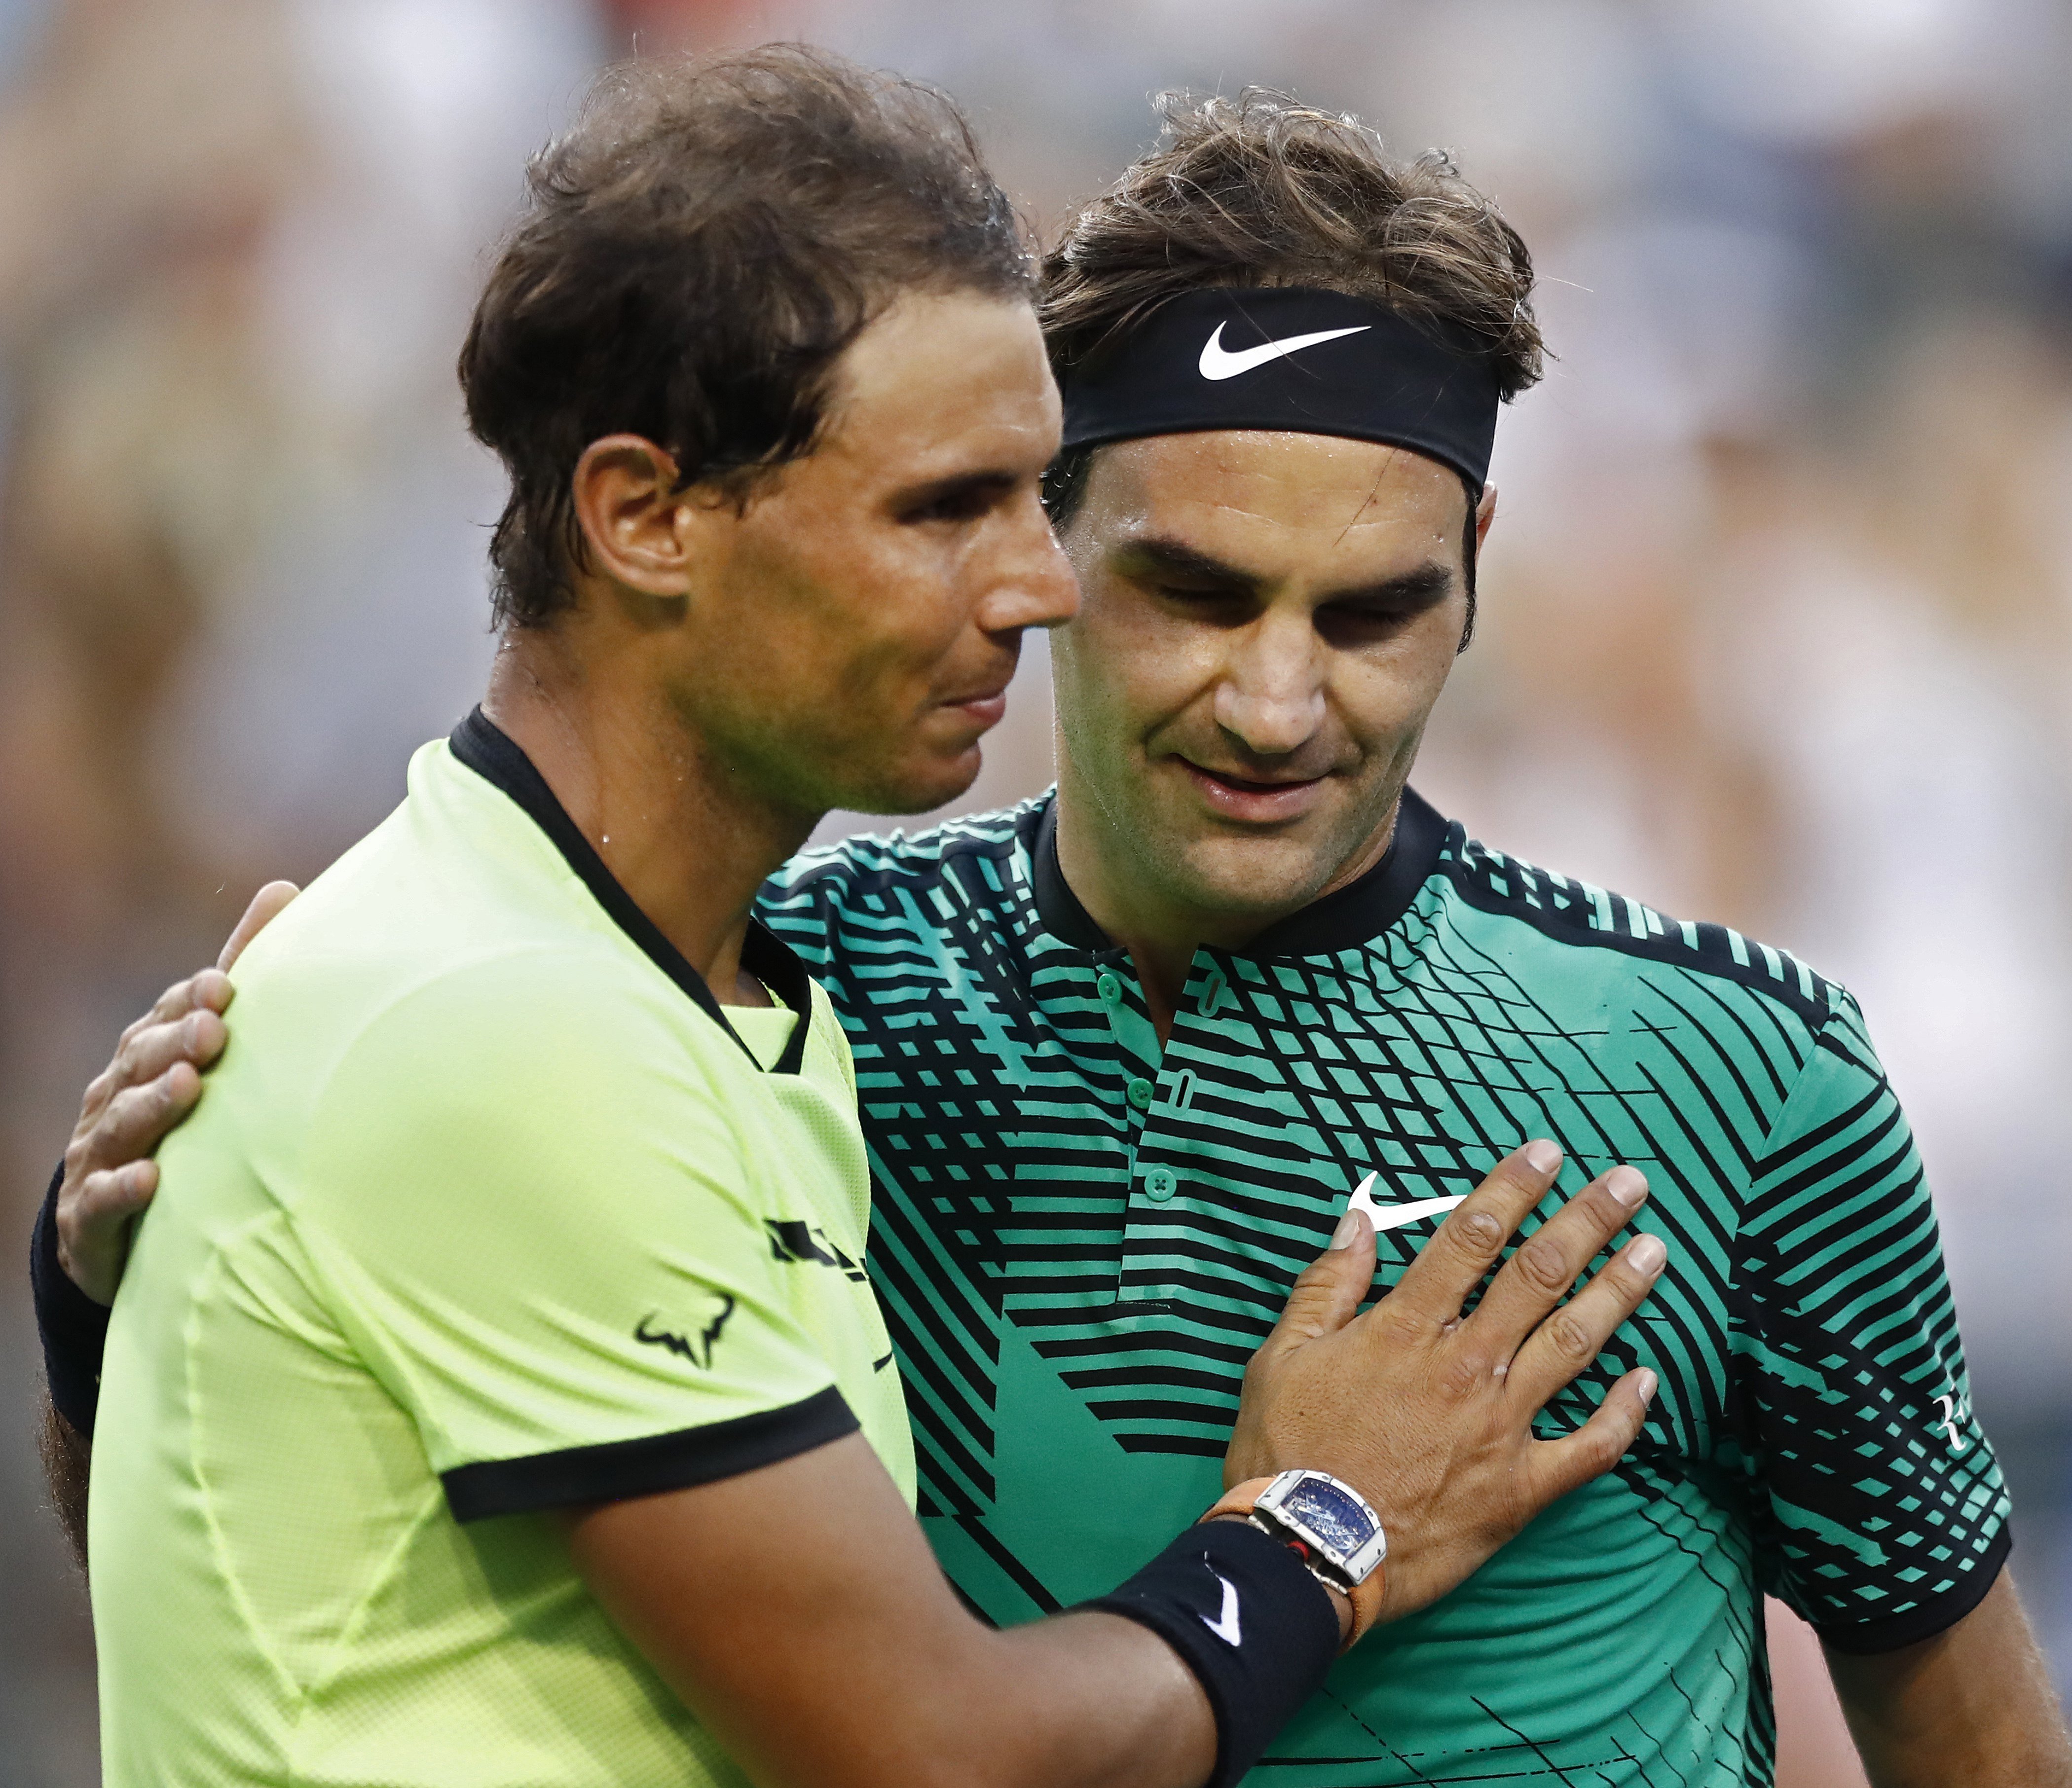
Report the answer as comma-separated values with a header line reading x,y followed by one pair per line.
x,y
940,380
1279,502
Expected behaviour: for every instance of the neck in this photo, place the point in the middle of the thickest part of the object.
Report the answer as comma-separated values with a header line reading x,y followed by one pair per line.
x,y
1104,867
680,834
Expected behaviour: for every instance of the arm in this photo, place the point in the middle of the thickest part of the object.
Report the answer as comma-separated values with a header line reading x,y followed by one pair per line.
x,y
1973,1704
135,1101
752,1596
757,1596
1880,1508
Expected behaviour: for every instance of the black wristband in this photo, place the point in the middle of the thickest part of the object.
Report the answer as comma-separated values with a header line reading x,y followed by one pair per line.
x,y
74,1328
1246,1615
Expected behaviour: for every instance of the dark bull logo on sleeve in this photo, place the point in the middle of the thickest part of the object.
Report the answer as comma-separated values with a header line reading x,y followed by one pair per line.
x,y
698,1349
796,1241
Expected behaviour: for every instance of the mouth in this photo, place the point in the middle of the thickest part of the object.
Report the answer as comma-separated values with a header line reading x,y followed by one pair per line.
x,y
984,710
1245,798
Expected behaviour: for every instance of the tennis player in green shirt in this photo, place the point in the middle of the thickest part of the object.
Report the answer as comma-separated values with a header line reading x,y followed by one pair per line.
x,y
494,1396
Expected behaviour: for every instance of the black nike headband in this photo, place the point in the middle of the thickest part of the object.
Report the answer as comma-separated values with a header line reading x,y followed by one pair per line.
x,y
1288,358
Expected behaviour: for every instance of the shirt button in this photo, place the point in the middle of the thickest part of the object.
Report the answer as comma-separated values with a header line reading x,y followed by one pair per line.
x,y
1109,988
1139,1095
1159,1185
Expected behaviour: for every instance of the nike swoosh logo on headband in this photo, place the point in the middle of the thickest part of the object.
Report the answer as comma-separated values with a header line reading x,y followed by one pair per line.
x,y
1394,1216
1219,362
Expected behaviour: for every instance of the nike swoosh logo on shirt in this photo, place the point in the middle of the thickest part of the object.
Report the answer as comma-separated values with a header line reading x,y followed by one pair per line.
x,y
1220,362
1225,1626
1394,1216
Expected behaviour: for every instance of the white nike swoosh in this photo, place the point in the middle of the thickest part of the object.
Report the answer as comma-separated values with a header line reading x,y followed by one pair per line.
x,y
1220,362
1226,1627
1394,1216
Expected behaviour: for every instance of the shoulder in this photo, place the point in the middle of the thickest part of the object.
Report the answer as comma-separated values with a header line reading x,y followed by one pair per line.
x,y
874,881
457,1015
870,863
1577,929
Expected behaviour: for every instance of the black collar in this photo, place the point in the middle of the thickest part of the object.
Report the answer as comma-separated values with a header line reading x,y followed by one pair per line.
x,y
492,754
1355,915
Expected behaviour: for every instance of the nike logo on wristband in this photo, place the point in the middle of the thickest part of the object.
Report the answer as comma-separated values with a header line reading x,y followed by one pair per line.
x,y
1220,362
1394,1216
1225,1626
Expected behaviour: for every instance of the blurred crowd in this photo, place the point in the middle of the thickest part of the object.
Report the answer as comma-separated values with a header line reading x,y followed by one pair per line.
x,y
1777,614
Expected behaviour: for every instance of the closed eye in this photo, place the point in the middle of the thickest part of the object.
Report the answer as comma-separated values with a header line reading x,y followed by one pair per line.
x,y
960,499
1219,603
1349,626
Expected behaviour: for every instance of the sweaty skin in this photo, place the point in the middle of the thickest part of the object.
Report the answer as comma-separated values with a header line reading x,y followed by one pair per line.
x,y
1266,620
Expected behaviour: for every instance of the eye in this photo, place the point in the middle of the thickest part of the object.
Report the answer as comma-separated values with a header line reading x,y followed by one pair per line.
x,y
957,503
1348,628
1205,602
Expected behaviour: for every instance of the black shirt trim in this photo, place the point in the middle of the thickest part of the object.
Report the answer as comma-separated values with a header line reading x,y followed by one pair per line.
x,y
494,755
1867,1638
616,1470
74,1328
1353,915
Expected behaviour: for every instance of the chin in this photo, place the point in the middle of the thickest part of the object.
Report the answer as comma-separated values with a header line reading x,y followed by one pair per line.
x,y
913,786
1267,876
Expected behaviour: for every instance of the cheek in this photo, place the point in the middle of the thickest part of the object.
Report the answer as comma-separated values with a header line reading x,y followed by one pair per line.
x,y
857,631
1121,664
1387,699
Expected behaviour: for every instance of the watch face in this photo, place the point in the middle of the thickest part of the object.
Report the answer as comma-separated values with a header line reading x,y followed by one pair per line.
x,y
1329,1513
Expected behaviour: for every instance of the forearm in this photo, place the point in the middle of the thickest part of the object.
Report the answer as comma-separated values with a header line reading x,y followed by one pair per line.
x,y
1084,1700
67,1455
73,1326
870,1674
1973,1705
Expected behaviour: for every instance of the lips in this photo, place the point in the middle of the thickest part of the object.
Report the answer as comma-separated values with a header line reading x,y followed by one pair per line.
x,y
984,709
1249,799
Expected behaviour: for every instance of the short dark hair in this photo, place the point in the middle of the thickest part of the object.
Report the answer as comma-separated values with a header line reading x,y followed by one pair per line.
x,y
1263,190
696,252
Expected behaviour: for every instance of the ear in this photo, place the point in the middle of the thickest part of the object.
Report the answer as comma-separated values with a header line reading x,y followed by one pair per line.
x,y
640,527
1485,513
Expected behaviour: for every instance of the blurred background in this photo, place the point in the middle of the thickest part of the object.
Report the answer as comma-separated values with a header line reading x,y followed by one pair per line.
x,y
1777,614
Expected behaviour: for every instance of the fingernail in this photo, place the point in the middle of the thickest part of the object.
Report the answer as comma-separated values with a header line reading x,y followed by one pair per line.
x,y
1646,1385
1348,1230
1628,1184
1646,1254
1542,1157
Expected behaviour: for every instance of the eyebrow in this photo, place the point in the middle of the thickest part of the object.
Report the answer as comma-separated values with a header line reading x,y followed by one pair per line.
x,y
1418,587
993,481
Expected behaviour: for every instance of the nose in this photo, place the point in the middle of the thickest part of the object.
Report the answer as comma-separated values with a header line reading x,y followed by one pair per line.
x,y
1033,584
1271,696
1030,581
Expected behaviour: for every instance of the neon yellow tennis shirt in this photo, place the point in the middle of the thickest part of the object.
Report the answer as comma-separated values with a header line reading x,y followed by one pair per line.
x,y
489,1210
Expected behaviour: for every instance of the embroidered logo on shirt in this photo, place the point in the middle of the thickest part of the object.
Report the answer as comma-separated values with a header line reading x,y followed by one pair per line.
x,y
698,1350
1951,1406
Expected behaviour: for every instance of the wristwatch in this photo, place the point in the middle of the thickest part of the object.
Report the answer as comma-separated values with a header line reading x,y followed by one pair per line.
x,y
1328,1524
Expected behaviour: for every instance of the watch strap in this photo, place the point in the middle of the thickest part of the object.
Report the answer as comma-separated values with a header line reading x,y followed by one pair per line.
x,y
1365,1596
